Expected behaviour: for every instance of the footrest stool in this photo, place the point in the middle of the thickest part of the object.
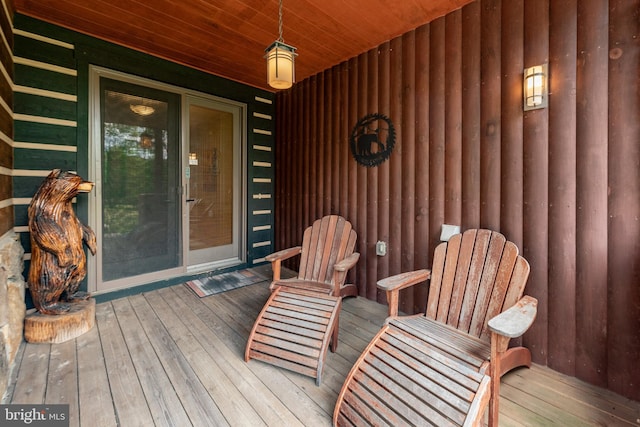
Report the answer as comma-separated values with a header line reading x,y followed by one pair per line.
x,y
294,329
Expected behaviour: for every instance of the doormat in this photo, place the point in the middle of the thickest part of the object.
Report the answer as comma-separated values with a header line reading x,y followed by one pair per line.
x,y
217,283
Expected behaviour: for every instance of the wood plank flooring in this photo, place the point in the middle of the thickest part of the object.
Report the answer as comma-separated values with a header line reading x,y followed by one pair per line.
x,y
169,358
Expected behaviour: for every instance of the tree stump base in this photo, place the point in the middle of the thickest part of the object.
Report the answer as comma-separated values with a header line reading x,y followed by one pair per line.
x,y
53,329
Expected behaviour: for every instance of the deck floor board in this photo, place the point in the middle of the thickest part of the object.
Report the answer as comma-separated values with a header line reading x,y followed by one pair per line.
x,y
95,396
31,383
62,382
165,405
167,357
127,393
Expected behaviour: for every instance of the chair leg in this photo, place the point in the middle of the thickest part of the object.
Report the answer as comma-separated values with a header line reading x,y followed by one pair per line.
x,y
501,363
333,345
497,342
494,403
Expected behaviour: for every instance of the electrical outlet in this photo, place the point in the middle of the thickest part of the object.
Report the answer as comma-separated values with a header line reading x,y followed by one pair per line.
x,y
381,248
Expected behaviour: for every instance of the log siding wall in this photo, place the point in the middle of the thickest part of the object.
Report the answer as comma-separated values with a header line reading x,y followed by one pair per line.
x,y
563,183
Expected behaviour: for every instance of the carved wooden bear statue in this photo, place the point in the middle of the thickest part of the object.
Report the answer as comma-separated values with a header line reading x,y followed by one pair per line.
x,y
58,261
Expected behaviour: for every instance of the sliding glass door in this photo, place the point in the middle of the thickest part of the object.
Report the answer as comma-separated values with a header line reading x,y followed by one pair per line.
x,y
170,192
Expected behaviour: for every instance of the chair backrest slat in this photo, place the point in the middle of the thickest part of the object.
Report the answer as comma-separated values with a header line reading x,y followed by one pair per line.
x,y
448,277
481,269
437,268
468,263
324,260
306,250
501,259
473,277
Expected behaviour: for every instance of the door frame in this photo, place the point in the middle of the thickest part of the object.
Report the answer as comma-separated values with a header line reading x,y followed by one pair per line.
x,y
94,175
240,187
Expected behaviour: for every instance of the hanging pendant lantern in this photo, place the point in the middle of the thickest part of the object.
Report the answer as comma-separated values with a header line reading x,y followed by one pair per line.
x,y
280,60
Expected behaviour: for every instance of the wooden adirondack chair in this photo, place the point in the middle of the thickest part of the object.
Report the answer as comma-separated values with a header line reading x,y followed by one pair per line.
x,y
444,366
326,255
301,317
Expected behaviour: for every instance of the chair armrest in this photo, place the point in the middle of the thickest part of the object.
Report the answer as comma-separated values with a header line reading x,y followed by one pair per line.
x,y
403,280
283,254
394,284
515,321
276,259
340,272
347,263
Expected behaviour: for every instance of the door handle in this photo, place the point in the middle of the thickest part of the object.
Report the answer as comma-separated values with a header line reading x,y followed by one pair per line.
x,y
191,200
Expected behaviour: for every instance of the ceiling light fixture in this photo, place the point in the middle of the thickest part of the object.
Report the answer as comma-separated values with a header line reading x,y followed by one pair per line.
x,y
280,60
142,110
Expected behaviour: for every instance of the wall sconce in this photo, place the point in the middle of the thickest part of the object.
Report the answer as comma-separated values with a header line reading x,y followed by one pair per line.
x,y
536,81
280,60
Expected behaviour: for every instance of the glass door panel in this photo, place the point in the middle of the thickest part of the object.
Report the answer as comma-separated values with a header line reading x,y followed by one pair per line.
x,y
140,206
214,182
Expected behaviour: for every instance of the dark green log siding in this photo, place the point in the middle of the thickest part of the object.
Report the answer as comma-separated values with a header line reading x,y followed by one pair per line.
x,y
27,159
6,124
38,78
51,126
562,182
42,106
45,133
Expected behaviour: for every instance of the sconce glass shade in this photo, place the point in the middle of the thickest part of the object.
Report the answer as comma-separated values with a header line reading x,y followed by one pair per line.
x,y
280,65
535,87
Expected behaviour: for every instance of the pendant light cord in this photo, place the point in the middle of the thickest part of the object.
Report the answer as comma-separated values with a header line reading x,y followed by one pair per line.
x,y
280,21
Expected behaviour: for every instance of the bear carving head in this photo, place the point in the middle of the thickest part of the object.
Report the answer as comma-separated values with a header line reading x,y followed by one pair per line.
x,y
64,186
57,190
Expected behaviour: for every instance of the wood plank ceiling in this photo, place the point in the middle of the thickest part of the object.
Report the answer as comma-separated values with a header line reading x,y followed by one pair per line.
x,y
228,37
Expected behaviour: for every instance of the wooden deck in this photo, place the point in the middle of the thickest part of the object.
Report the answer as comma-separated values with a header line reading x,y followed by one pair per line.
x,y
169,358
